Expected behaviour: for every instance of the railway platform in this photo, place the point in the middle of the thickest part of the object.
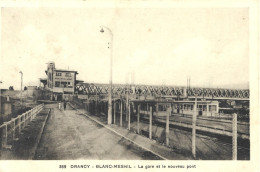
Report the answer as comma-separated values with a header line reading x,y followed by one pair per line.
x,y
70,135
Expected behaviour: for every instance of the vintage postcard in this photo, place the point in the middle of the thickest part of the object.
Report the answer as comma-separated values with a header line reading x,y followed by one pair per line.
x,y
129,86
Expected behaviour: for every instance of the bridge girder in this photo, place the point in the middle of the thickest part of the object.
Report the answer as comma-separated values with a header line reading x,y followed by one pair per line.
x,y
163,91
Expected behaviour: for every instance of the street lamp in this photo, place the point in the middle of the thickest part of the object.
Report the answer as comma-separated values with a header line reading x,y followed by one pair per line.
x,y
109,116
21,88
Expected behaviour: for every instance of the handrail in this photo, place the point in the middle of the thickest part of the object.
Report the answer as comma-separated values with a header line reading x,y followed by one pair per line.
x,y
19,122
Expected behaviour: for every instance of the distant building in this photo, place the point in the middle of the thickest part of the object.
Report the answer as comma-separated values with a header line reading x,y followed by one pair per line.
x,y
32,88
59,81
6,106
204,108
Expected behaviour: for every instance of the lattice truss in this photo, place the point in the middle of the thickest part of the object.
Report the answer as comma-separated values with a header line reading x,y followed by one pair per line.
x,y
120,89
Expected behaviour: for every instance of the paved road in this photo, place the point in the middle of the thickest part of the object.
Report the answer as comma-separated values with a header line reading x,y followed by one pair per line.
x,y
71,136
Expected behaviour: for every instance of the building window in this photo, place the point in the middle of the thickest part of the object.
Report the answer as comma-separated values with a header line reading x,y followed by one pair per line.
x,y
64,84
213,107
58,73
201,107
70,85
57,84
162,108
68,74
204,108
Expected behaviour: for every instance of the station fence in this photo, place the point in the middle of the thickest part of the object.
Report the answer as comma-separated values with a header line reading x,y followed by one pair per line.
x,y
10,130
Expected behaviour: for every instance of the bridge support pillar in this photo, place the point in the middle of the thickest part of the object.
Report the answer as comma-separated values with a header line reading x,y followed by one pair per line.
x,y
147,108
133,108
91,107
114,112
106,109
101,107
207,109
194,129
126,111
138,119
129,116
150,123
157,107
234,137
96,106
121,113
167,128
217,108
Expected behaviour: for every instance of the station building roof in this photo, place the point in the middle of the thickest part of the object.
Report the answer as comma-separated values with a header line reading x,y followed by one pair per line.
x,y
65,70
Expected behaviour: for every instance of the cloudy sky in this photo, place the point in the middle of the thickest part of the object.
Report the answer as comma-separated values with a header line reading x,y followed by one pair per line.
x,y
161,46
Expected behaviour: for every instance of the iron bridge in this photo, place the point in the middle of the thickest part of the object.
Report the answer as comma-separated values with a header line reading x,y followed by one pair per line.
x,y
162,91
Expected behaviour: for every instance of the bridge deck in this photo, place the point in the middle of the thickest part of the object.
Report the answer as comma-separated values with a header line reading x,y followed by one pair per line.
x,y
168,91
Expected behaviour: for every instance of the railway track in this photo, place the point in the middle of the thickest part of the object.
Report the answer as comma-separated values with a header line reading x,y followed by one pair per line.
x,y
201,128
224,140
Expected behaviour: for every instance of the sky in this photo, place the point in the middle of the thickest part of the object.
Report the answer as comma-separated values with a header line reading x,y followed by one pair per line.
x,y
161,46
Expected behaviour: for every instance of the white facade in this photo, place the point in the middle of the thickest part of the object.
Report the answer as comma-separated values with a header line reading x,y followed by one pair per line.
x,y
59,80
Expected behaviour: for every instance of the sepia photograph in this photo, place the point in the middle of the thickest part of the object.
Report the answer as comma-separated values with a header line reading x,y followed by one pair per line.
x,y
126,83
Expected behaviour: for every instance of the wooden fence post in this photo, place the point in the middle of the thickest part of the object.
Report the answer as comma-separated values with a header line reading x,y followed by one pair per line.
x,y
19,125
13,119
4,135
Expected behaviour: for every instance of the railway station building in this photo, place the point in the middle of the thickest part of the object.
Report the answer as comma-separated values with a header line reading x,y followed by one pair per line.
x,y
60,82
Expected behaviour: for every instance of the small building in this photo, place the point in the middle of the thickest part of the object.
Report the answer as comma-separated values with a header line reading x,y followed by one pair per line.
x,y
6,106
60,82
204,108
